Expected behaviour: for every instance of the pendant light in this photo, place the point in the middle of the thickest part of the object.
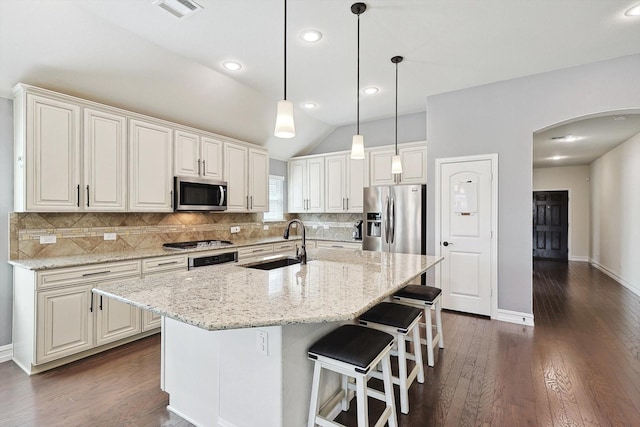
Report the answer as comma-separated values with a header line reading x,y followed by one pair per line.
x,y
396,163
357,145
285,127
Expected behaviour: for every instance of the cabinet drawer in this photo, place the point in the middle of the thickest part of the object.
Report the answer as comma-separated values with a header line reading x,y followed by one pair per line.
x,y
252,251
285,247
159,264
338,245
92,273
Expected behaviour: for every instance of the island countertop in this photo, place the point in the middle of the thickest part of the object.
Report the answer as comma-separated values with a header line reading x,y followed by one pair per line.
x,y
335,285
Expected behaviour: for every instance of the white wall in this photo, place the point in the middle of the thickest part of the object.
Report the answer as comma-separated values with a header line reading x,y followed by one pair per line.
x,y
6,205
576,180
615,204
501,118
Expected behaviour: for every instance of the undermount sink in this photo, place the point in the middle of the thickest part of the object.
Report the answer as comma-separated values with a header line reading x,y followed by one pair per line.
x,y
272,264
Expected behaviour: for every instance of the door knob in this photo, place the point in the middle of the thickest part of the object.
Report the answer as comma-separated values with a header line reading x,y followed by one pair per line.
x,y
446,243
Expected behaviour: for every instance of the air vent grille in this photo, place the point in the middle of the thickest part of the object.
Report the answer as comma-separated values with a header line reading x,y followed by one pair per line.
x,y
179,8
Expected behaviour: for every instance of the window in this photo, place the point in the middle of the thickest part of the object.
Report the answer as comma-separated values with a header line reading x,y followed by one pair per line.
x,y
276,199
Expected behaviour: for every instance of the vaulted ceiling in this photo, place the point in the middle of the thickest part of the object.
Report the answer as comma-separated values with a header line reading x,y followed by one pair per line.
x,y
133,54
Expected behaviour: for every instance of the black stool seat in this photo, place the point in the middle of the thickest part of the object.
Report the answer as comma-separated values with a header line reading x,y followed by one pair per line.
x,y
352,344
419,292
390,314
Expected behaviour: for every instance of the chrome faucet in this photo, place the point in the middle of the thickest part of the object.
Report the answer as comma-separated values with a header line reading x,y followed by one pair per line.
x,y
302,253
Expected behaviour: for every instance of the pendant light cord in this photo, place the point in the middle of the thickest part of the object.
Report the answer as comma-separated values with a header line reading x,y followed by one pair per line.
x,y
396,108
285,50
358,83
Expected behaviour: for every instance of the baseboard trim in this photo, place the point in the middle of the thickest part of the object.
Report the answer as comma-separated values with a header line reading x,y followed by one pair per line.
x,y
224,423
614,276
579,258
515,317
184,417
6,353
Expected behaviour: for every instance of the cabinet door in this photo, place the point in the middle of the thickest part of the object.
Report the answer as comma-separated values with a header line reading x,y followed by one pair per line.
x,y
64,322
211,157
150,173
150,320
115,320
356,171
105,160
414,165
52,155
258,181
315,185
336,183
235,173
186,154
380,167
296,184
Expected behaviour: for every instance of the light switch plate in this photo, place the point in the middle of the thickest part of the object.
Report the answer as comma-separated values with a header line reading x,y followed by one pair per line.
x,y
265,227
326,227
49,239
109,236
235,229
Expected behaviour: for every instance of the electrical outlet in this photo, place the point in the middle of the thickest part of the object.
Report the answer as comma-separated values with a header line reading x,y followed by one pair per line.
x,y
235,229
109,236
294,225
326,227
262,342
265,227
314,226
49,239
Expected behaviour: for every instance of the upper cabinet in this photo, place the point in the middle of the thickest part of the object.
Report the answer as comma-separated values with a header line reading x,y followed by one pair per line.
x,y
197,156
247,177
344,181
306,185
151,178
74,155
414,164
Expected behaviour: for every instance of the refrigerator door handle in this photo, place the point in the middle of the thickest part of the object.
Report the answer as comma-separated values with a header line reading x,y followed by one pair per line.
x,y
386,222
393,219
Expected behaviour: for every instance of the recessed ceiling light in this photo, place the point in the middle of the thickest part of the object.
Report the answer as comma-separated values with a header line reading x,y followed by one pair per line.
x,y
232,65
309,105
311,36
633,11
179,8
558,157
370,90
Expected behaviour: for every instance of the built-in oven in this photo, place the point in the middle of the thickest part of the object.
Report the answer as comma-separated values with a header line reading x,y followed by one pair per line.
x,y
195,194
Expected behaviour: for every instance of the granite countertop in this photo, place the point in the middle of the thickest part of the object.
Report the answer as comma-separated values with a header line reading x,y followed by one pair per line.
x,y
38,264
335,285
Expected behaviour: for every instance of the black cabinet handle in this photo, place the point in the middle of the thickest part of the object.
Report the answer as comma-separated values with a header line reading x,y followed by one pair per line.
x,y
87,195
78,195
91,304
100,302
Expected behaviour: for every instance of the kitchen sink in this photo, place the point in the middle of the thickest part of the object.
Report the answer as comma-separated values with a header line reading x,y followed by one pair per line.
x,y
272,264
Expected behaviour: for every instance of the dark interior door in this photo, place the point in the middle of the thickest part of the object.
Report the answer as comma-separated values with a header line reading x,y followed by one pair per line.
x,y
551,224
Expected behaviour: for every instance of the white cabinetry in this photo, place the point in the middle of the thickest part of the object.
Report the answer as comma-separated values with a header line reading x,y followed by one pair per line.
x,y
306,185
115,320
327,244
247,174
414,164
345,179
156,267
151,178
198,156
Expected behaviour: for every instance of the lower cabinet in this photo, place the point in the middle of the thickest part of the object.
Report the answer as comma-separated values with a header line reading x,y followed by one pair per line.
x,y
115,320
328,244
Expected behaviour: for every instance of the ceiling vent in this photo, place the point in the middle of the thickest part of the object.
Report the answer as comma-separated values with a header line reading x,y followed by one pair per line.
x,y
179,8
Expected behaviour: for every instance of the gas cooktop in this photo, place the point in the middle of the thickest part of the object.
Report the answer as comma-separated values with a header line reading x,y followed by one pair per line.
x,y
197,244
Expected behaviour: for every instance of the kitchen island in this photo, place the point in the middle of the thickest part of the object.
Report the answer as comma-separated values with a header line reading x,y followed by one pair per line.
x,y
235,339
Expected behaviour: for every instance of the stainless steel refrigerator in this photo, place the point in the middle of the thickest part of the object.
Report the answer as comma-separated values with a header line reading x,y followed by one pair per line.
x,y
395,219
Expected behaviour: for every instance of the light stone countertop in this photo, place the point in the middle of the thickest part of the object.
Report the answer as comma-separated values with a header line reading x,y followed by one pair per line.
x,y
38,264
335,285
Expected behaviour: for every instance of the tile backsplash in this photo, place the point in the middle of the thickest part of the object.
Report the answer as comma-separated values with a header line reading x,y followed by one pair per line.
x,y
83,233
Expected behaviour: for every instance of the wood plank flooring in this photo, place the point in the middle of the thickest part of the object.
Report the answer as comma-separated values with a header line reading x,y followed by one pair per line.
x,y
580,366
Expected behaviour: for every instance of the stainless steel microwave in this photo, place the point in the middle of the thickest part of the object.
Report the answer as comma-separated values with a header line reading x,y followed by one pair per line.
x,y
194,194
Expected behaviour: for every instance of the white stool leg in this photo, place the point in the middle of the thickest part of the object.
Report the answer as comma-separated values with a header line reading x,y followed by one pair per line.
x,y
439,322
361,394
402,374
388,390
315,395
417,353
345,388
429,334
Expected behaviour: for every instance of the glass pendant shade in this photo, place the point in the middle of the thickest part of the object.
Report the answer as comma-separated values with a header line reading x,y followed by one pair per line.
x,y
357,147
396,164
285,127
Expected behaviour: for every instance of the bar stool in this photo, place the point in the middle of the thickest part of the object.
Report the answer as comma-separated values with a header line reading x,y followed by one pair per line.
x,y
427,298
352,351
400,321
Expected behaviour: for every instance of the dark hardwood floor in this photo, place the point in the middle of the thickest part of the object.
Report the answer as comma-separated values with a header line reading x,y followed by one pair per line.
x,y
580,366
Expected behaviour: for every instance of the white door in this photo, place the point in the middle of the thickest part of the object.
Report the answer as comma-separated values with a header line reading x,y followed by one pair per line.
x,y
467,214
